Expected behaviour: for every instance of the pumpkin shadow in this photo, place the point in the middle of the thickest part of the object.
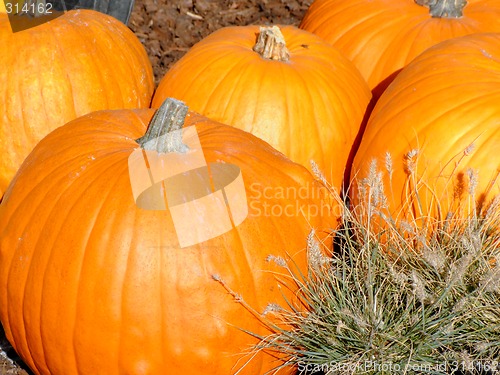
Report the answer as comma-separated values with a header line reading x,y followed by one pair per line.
x,y
383,85
376,93
352,153
11,357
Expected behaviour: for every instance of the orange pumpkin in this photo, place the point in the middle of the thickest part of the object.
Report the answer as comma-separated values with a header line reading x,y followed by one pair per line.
x,y
79,62
90,283
282,84
439,121
383,36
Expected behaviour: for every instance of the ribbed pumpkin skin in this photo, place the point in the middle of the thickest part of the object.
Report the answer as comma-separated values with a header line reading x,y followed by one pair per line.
x,y
310,107
92,284
441,103
79,62
382,36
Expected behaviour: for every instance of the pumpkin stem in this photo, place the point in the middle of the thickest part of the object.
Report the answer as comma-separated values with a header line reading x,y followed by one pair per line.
x,y
163,134
444,8
271,44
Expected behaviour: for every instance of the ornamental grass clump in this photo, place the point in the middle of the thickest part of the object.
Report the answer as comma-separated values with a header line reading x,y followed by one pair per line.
x,y
396,298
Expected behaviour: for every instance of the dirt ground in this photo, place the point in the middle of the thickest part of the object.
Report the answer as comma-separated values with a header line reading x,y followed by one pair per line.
x,y
168,28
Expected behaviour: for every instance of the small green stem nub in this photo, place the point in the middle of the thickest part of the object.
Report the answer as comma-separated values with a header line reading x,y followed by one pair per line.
x,y
164,132
271,44
444,8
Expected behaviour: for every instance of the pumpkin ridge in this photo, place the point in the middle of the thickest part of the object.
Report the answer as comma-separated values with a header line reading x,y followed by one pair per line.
x,y
113,73
445,103
439,92
117,35
98,215
68,76
237,69
320,127
38,300
412,34
120,41
82,190
340,103
352,29
321,17
99,63
408,104
198,82
373,35
308,97
96,62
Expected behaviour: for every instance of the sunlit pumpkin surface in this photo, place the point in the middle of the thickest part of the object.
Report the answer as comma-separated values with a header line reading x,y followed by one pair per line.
x,y
439,121
77,63
92,284
382,36
309,107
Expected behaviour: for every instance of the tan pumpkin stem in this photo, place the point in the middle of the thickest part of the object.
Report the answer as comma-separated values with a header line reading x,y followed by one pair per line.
x,y
163,134
444,8
271,44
